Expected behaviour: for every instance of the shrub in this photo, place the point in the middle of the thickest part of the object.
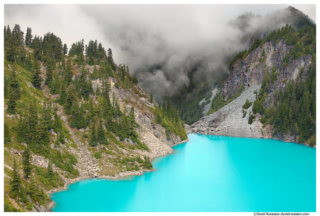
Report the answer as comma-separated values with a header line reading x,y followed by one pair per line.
x,y
247,104
117,85
244,113
263,119
97,155
251,118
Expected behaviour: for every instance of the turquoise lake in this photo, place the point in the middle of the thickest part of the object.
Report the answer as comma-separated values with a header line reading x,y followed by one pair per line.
x,y
208,174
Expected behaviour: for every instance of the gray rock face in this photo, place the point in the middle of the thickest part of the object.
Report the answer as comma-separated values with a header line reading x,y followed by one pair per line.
x,y
228,120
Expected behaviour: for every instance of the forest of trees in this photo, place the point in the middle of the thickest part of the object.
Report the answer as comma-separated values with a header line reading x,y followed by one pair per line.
x,y
84,106
168,117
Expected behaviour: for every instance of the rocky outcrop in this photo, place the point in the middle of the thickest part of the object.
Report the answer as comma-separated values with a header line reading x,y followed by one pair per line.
x,y
247,74
229,121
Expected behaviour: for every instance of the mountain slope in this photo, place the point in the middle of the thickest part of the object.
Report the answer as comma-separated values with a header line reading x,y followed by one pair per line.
x,y
73,117
277,75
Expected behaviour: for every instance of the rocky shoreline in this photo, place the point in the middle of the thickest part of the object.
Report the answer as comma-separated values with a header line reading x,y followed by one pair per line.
x,y
117,176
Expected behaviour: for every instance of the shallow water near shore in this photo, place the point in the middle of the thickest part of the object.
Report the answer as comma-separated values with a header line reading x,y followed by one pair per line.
x,y
208,174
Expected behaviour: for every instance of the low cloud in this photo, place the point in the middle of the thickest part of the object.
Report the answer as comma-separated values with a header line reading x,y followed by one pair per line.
x,y
165,46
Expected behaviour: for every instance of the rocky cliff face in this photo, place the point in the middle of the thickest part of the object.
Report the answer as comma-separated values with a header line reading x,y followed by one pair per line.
x,y
248,73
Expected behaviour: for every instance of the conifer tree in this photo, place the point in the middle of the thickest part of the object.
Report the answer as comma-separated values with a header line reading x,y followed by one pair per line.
x,y
12,102
50,172
36,79
28,38
63,95
43,131
63,64
151,98
13,83
26,161
49,74
7,137
23,195
68,71
101,138
15,181
33,189
57,123
22,130
61,136
33,122
93,141
46,115
65,49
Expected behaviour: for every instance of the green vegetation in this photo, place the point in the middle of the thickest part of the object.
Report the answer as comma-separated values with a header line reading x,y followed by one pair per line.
x,y
218,100
168,117
294,108
251,117
304,41
247,104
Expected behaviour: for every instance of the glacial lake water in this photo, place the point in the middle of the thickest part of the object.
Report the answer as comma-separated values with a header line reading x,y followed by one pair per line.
x,y
208,174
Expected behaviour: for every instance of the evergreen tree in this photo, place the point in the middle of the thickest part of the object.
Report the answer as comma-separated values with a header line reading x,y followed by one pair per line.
x,y
36,79
13,83
61,136
26,161
12,102
151,98
49,74
33,190
93,141
7,137
15,181
23,195
28,38
63,94
50,172
65,49
57,123
68,71
101,138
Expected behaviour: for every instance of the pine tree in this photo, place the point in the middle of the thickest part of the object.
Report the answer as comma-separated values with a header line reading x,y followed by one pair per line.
x,y
26,163
33,122
63,64
36,79
33,189
68,71
15,181
57,123
93,141
151,98
65,49
28,38
49,74
63,95
22,130
7,137
13,83
46,115
43,131
12,102
50,172
23,195
101,138
61,136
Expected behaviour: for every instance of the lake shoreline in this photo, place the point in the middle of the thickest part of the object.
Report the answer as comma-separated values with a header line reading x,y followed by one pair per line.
x,y
117,176
271,138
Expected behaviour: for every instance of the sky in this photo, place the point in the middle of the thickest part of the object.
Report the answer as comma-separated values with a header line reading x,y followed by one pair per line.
x,y
161,44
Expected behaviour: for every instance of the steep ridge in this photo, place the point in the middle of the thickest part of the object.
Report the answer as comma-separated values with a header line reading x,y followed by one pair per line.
x,y
243,81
